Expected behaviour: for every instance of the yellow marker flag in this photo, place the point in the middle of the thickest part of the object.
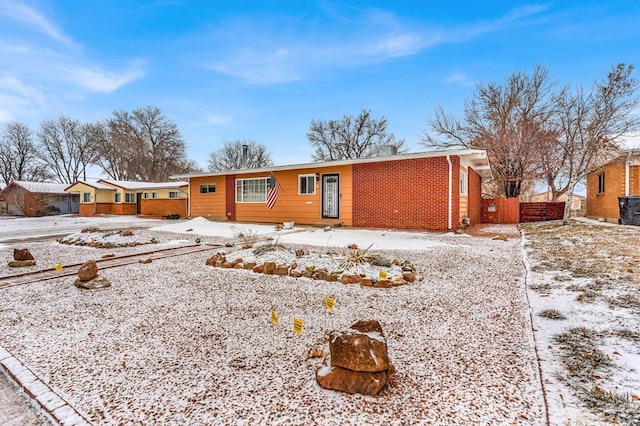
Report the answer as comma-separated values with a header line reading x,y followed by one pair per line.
x,y
274,317
298,325
58,267
329,302
383,275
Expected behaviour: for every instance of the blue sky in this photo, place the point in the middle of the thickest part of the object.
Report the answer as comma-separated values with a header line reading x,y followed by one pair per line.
x,y
227,70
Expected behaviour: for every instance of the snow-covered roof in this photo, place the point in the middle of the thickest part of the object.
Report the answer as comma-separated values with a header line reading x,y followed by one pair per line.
x,y
42,187
476,158
630,141
94,185
125,184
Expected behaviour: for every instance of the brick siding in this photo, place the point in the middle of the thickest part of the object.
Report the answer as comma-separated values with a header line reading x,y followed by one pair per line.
x,y
408,194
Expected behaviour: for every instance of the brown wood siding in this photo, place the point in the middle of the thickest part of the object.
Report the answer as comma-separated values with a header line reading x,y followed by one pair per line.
x,y
293,207
164,207
212,206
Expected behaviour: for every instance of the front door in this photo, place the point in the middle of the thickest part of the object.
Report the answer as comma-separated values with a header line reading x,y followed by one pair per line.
x,y
331,196
138,202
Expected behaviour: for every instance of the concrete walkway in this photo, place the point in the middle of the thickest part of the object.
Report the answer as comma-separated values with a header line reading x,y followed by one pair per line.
x,y
15,409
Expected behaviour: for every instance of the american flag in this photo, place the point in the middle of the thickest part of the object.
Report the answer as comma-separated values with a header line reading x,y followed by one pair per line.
x,y
272,192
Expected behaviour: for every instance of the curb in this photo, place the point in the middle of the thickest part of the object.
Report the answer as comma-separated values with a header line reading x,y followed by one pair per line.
x,y
45,399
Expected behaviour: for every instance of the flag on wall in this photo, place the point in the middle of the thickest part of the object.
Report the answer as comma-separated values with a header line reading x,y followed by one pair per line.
x,y
272,192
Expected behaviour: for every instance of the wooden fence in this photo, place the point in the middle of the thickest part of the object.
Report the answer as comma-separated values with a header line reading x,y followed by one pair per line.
x,y
511,210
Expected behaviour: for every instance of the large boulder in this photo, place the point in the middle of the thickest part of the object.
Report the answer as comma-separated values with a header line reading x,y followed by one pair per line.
x,y
359,360
88,270
22,254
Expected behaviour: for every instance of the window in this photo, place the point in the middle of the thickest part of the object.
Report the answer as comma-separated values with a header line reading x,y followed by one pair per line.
x,y
86,197
251,190
208,189
118,197
154,195
601,183
464,183
306,184
145,195
174,194
129,197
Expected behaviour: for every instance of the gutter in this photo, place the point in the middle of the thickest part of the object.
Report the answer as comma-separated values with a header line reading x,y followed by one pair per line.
x,y
626,175
188,197
450,190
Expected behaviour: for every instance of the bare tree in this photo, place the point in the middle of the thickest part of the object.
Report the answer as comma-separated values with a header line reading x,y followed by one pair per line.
x,y
229,157
66,148
350,137
512,121
590,123
18,155
115,155
147,146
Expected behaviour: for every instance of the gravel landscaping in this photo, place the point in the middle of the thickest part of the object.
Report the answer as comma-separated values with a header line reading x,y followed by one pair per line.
x,y
179,342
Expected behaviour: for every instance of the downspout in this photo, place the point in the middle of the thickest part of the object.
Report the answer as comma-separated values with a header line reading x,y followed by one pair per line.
x,y
626,175
450,190
189,197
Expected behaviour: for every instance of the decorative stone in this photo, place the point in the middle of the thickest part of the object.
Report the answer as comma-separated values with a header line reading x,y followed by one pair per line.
x,y
21,263
269,267
409,276
332,278
363,348
350,279
500,237
319,274
238,266
381,261
294,265
281,270
383,284
249,265
397,281
258,269
310,267
147,260
236,261
88,270
226,265
344,380
213,260
22,254
307,274
94,283
295,273
366,282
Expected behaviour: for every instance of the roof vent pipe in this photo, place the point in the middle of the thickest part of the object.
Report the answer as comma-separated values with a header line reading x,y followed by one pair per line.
x,y
245,156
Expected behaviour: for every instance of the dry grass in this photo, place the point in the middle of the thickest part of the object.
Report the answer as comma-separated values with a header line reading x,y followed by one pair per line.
x,y
552,314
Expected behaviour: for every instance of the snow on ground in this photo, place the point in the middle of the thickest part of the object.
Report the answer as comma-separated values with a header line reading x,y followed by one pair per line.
x,y
177,342
588,272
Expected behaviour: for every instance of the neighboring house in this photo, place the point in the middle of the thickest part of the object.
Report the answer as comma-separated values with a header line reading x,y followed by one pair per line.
x,y
21,198
428,190
578,202
131,198
620,177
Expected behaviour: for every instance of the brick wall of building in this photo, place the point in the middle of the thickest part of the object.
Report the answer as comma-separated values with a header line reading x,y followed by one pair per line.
x,y
408,194
605,205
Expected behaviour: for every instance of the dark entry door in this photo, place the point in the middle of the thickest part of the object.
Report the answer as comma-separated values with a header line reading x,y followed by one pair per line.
x,y
331,196
138,202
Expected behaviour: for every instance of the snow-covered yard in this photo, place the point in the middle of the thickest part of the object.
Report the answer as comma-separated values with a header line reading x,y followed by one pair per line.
x,y
179,342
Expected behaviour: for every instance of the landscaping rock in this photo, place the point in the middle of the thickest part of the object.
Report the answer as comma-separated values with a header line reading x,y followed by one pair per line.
x,y
409,276
350,279
295,273
310,267
500,237
226,265
147,260
397,281
249,265
22,254
319,274
307,274
258,269
21,263
383,284
281,270
332,278
269,267
88,270
94,283
238,266
341,379
366,282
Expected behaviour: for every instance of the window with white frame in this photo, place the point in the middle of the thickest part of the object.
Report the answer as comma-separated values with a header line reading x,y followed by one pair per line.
x,y
145,195
208,188
154,195
129,197
251,190
86,197
118,197
174,194
306,184
601,183
464,183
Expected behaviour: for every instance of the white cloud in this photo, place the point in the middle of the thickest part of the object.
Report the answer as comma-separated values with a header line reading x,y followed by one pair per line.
x,y
98,80
264,53
212,118
23,13
459,78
